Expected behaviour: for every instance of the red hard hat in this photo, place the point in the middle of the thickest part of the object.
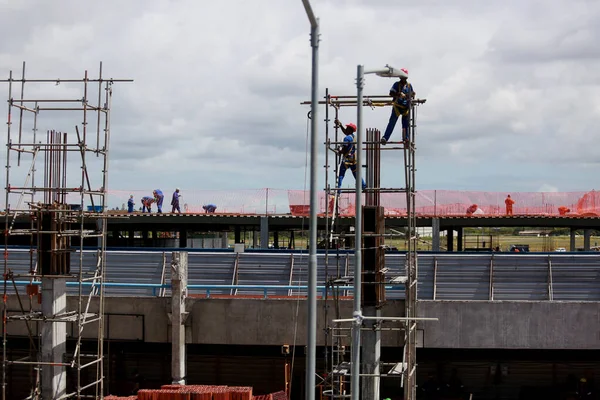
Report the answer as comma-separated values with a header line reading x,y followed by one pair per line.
x,y
351,126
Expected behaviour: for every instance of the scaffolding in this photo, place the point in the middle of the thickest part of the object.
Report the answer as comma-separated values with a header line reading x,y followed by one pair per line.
x,y
51,217
336,380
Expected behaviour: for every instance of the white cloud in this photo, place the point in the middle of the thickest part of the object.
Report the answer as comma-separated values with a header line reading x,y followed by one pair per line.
x,y
512,87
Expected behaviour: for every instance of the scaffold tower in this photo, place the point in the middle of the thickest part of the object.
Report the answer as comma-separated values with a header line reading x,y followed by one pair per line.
x,y
55,204
335,382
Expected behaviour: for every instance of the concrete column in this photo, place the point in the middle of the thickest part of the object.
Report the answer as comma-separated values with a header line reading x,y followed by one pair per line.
x,y
179,275
238,234
572,241
264,232
587,233
450,239
435,234
131,239
276,239
254,239
459,239
183,239
224,240
54,338
371,355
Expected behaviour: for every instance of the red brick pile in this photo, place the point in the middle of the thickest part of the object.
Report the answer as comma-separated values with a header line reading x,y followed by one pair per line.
x,y
196,392
200,392
120,398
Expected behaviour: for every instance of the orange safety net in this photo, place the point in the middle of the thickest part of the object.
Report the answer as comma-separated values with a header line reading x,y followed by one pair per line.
x,y
459,203
428,202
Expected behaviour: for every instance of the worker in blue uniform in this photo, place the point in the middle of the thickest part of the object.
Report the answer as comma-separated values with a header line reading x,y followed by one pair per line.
x,y
130,204
158,198
209,208
147,203
175,201
348,152
402,93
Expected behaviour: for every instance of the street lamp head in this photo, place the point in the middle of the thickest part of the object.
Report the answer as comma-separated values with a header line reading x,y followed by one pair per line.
x,y
391,72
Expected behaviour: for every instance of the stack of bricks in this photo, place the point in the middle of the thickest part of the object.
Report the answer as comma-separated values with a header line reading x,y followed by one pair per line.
x,y
120,398
196,392
200,392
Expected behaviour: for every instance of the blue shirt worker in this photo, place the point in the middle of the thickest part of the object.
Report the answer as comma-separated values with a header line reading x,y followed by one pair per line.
x,y
402,93
147,203
158,198
175,201
130,204
209,208
348,152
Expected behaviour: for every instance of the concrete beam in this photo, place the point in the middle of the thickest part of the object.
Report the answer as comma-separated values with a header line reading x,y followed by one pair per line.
x,y
510,325
54,338
179,276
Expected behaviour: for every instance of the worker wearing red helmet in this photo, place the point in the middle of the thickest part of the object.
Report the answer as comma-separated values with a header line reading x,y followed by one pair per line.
x,y
348,152
402,93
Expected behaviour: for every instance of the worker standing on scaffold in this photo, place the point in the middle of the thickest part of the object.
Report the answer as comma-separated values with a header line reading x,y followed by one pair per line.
x,y
402,93
348,152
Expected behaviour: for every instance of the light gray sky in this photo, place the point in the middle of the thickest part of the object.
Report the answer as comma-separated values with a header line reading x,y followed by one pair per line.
x,y
511,86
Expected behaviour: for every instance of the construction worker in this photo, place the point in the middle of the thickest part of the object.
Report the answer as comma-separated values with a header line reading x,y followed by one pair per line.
x,y
130,204
175,201
158,198
402,93
147,203
209,208
509,205
348,153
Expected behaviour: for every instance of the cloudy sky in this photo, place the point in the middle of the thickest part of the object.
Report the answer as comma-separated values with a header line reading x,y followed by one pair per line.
x,y
511,86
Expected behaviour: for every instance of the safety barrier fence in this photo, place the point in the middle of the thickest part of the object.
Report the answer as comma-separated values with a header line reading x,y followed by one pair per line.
x,y
428,202
455,276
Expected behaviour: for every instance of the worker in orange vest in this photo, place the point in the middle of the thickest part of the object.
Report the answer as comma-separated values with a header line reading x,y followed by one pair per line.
x,y
509,204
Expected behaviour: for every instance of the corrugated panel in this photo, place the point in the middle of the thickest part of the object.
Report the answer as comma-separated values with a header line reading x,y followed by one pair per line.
x,y
462,278
520,278
459,276
264,268
131,267
210,269
426,269
397,267
576,278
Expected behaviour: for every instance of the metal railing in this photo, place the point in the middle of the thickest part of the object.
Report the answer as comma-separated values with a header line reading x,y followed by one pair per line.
x,y
156,287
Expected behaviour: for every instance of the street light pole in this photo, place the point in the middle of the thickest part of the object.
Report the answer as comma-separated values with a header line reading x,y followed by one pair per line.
x,y
311,348
357,314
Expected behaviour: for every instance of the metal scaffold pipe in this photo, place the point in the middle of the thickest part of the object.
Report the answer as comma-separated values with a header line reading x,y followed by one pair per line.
x,y
311,351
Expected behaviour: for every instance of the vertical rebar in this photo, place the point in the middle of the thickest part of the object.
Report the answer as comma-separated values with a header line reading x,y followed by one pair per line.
x,y
355,384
